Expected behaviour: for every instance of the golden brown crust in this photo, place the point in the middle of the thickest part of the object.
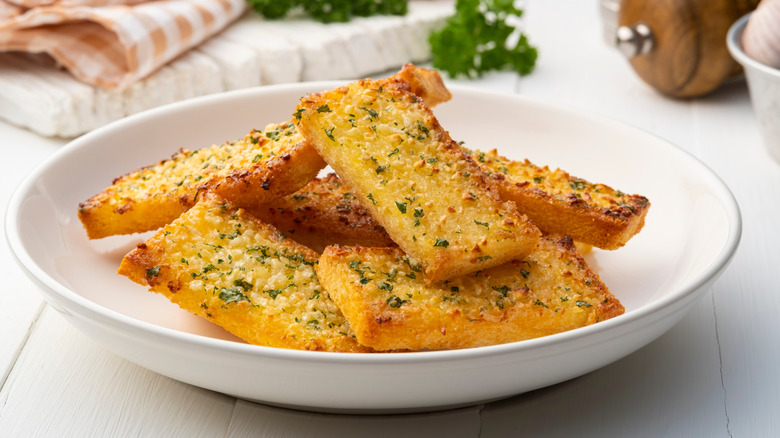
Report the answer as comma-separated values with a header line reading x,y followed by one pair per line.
x,y
425,83
221,263
430,197
112,211
323,213
558,202
247,180
389,306
260,167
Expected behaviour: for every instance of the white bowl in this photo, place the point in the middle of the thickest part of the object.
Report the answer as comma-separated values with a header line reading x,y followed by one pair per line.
x,y
764,85
692,230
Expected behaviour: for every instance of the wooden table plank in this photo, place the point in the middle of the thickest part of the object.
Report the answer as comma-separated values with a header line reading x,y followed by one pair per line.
x,y
20,302
670,388
747,297
64,385
252,420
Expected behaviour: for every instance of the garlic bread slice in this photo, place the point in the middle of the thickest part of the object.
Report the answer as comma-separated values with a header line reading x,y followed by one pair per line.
x,y
262,166
558,202
430,197
221,263
324,212
390,306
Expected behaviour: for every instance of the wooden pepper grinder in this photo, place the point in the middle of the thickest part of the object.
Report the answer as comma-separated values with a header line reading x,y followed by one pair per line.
x,y
679,46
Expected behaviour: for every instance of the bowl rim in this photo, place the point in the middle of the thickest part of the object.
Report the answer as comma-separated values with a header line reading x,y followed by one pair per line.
x,y
55,291
734,45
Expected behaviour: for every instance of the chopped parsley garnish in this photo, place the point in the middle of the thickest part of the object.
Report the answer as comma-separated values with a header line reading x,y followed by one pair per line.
x,y
385,286
275,292
230,236
441,242
413,267
232,295
372,114
329,133
395,302
152,272
503,290
577,184
243,284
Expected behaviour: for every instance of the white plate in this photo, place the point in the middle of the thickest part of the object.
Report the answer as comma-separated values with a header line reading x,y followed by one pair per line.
x,y
691,233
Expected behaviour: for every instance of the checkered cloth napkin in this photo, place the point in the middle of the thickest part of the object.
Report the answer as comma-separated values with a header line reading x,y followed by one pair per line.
x,y
112,43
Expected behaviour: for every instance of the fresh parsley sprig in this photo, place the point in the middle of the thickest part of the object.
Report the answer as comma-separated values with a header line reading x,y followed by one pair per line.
x,y
330,11
482,36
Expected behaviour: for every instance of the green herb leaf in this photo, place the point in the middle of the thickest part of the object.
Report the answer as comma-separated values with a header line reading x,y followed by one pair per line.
x,y
441,242
395,302
152,272
243,284
503,290
385,286
275,292
481,37
232,295
577,184
330,11
329,133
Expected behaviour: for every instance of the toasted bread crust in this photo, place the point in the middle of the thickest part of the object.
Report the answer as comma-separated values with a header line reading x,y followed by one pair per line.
x,y
221,263
323,213
389,306
262,166
425,83
430,197
250,178
558,202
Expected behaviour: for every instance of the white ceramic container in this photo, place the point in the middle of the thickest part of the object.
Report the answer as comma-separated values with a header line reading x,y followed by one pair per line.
x,y
764,85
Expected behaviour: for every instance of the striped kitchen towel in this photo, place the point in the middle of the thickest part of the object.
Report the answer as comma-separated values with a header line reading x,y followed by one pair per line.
x,y
112,43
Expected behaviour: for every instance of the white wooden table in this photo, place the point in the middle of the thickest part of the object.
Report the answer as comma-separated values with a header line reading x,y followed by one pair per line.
x,y
715,374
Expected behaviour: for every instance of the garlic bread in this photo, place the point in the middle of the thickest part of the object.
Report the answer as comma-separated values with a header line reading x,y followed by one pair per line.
x,y
390,306
323,213
221,263
431,198
560,203
262,166
427,84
